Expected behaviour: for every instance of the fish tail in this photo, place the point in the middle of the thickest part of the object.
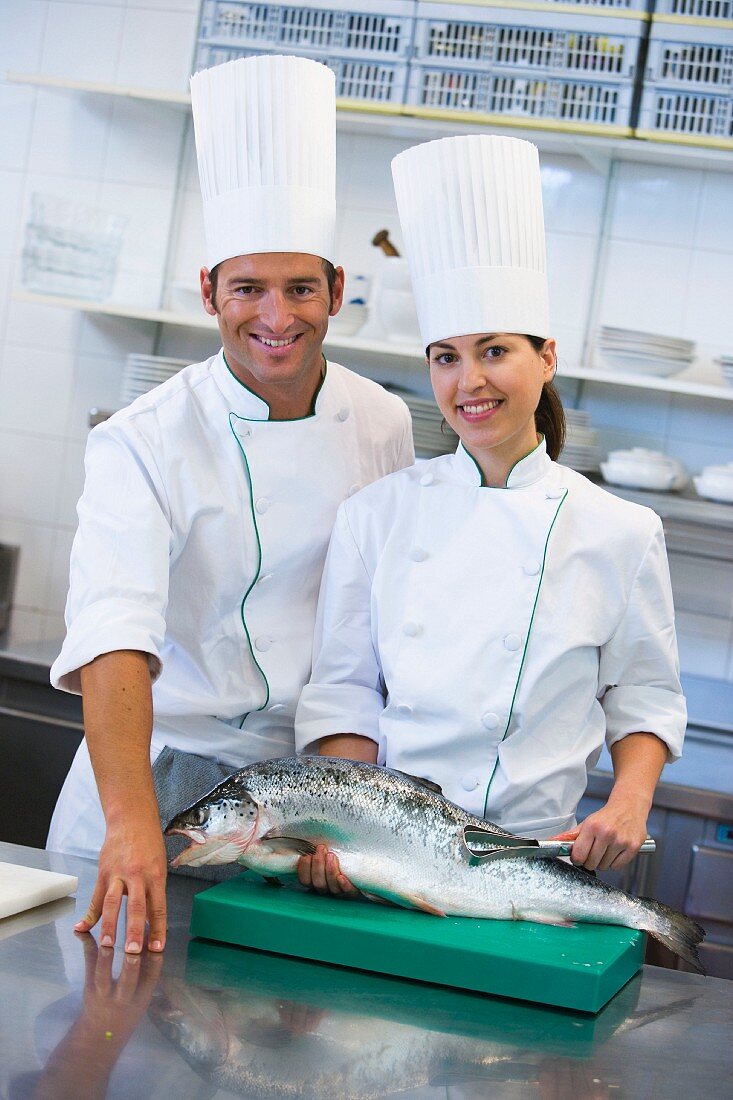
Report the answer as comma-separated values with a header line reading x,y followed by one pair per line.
x,y
676,931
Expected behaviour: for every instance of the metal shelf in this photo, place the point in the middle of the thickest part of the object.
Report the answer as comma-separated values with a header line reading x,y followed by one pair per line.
x,y
390,354
403,121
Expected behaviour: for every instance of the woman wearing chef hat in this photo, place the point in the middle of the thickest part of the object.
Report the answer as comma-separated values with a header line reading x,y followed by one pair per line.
x,y
489,618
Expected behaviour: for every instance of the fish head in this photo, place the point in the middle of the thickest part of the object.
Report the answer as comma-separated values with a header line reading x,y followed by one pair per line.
x,y
221,826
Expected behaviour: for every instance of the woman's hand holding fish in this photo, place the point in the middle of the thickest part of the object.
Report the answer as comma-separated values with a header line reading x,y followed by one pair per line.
x,y
321,872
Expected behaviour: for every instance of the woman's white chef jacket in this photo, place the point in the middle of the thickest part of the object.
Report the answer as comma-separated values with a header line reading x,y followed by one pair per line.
x,y
490,639
203,529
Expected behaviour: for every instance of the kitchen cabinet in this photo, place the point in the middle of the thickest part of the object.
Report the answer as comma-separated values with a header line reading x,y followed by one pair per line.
x,y
40,730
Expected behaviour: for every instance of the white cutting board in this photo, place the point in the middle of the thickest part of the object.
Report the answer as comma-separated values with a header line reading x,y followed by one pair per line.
x,y
23,888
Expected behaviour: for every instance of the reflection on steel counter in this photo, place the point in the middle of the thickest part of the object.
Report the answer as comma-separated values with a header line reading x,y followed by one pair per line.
x,y
262,1026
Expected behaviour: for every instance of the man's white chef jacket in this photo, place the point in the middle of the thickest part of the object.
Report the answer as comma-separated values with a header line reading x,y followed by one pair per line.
x,y
490,639
203,529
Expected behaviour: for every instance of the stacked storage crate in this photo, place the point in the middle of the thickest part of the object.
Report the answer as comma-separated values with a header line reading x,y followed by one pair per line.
x,y
688,82
368,49
564,66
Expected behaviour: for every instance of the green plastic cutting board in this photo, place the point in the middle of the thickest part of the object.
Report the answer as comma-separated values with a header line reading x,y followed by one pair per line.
x,y
579,968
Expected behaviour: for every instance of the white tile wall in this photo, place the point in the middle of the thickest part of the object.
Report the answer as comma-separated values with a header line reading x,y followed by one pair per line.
x,y
669,268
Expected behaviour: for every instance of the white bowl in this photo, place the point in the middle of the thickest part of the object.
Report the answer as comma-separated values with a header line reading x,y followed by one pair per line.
x,y
637,476
718,471
714,488
348,320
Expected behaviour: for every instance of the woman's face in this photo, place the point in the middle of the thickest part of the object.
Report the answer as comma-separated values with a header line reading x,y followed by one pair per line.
x,y
487,387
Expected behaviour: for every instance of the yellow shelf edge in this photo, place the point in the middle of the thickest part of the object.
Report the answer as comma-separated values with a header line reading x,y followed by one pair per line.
x,y
694,21
560,8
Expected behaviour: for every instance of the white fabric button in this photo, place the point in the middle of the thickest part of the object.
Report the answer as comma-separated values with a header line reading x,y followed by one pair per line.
x,y
262,505
470,782
354,489
264,577
343,413
532,567
403,710
245,433
490,720
555,493
512,642
411,629
276,708
418,554
426,479
263,643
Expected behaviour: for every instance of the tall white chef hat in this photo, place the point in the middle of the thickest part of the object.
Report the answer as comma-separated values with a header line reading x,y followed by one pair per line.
x,y
265,131
471,215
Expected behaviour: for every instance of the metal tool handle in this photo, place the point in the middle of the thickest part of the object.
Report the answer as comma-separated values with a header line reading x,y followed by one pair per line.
x,y
563,847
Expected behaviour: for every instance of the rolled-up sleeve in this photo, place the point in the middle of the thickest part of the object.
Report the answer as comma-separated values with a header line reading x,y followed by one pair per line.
x,y
639,684
345,693
119,569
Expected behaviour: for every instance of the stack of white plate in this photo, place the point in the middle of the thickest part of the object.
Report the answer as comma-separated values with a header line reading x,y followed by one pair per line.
x,y
643,352
430,438
725,362
581,451
144,372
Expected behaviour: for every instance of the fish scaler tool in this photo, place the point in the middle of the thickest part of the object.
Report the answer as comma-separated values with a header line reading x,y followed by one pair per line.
x,y
515,847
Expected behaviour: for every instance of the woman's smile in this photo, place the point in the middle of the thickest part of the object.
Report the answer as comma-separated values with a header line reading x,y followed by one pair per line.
x,y
473,411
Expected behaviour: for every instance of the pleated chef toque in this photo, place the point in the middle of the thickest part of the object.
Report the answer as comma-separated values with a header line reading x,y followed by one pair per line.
x,y
471,215
265,131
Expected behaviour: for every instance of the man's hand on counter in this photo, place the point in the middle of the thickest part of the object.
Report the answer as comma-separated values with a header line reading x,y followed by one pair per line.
x,y
132,863
118,719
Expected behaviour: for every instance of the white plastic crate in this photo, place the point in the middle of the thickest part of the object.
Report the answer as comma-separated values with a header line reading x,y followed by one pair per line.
x,y
589,104
671,113
691,57
696,9
500,38
319,29
377,82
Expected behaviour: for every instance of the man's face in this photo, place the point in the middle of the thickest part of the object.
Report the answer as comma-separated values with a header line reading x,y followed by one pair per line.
x,y
273,310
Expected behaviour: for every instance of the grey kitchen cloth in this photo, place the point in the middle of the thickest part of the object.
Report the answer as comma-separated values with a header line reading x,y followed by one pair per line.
x,y
180,779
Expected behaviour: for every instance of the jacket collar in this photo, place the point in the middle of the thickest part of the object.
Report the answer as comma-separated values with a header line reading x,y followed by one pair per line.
x,y
527,471
246,404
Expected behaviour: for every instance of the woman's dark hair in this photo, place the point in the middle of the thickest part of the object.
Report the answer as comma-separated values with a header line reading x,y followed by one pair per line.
x,y
550,416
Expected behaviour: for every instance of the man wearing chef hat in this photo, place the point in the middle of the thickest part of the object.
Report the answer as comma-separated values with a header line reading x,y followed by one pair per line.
x,y
209,502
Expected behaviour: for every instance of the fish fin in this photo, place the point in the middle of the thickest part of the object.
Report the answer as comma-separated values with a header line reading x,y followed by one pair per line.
x,y
681,935
434,787
379,900
417,902
543,917
282,844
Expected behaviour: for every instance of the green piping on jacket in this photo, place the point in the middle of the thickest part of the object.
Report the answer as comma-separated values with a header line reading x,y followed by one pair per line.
x,y
256,577
524,652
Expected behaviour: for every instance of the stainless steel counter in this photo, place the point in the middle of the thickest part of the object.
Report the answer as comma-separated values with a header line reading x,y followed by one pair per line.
x,y
209,1021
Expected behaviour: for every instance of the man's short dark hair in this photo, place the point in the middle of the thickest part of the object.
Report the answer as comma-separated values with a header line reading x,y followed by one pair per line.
x,y
328,270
